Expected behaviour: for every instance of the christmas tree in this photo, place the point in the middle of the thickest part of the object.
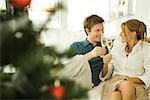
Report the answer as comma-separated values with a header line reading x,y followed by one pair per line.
x,y
33,62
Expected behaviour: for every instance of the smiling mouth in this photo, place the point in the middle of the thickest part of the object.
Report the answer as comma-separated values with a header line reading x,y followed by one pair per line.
x,y
99,36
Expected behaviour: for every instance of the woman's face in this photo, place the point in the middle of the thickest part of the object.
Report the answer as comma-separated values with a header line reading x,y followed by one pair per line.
x,y
127,35
96,32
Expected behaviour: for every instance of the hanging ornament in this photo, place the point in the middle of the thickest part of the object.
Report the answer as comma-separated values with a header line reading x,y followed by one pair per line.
x,y
20,4
57,90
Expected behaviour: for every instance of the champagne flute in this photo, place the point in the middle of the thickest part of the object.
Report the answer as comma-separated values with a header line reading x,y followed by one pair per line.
x,y
103,43
109,44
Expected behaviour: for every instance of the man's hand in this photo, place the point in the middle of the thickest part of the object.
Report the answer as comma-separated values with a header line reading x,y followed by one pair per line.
x,y
98,51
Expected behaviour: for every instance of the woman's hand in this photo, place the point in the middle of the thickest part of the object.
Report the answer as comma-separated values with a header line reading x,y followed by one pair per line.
x,y
107,58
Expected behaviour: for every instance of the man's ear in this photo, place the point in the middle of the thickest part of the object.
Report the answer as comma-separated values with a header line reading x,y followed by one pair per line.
x,y
87,30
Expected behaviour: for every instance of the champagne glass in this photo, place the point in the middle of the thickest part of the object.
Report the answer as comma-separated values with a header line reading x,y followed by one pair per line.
x,y
109,44
103,43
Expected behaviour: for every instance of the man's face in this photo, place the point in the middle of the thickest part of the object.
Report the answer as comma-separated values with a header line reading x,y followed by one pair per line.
x,y
96,32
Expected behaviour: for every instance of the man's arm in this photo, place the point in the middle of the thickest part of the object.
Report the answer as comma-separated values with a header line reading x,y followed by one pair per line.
x,y
76,48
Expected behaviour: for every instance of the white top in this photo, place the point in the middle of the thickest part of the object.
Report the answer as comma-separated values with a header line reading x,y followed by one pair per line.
x,y
137,64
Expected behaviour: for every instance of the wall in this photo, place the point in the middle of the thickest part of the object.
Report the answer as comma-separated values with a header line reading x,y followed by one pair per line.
x,y
140,12
63,38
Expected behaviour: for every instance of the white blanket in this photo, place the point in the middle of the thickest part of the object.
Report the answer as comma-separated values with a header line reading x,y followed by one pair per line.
x,y
95,93
78,69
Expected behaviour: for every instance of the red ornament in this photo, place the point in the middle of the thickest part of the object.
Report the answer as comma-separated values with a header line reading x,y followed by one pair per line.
x,y
20,4
57,92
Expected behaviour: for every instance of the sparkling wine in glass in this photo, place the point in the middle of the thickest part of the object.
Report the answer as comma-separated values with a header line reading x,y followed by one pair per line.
x,y
109,44
103,43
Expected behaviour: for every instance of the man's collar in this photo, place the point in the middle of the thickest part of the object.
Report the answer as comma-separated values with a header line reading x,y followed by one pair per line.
x,y
86,43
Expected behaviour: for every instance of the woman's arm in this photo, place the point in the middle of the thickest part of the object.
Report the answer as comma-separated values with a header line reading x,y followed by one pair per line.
x,y
135,80
104,70
147,39
106,61
146,65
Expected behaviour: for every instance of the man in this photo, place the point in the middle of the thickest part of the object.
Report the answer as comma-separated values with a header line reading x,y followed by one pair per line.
x,y
91,46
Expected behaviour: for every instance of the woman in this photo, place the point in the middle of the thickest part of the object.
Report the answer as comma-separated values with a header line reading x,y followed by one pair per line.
x,y
127,68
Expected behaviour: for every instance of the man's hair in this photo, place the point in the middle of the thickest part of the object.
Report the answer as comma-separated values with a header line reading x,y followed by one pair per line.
x,y
90,21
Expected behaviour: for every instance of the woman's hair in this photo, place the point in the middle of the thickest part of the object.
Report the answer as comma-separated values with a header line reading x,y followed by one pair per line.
x,y
90,21
137,26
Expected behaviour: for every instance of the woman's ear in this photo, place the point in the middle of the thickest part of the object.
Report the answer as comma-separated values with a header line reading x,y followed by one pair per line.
x,y
134,35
